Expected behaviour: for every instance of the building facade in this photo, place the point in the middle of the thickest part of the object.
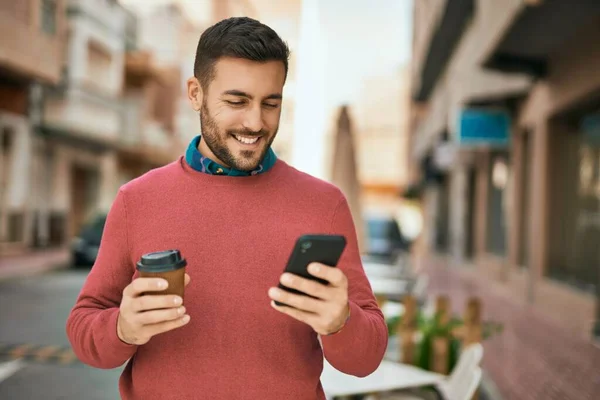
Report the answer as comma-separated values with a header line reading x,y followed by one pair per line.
x,y
82,111
505,143
80,122
32,35
382,127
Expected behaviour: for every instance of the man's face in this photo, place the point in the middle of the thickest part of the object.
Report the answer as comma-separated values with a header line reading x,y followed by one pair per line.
x,y
239,111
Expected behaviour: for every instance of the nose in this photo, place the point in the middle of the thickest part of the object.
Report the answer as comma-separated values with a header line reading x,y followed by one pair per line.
x,y
253,119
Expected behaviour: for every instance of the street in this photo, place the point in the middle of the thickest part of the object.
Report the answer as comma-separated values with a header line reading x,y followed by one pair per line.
x,y
33,311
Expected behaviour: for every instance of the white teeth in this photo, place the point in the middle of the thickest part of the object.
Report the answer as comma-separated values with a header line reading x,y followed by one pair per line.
x,y
246,140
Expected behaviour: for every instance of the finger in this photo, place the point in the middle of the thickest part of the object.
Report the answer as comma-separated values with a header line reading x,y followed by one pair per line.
x,y
302,316
187,280
155,302
307,286
158,316
142,285
332,275
298,301
162,327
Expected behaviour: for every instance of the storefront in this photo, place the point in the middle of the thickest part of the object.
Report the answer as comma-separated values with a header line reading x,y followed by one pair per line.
x,y
551,209
485,133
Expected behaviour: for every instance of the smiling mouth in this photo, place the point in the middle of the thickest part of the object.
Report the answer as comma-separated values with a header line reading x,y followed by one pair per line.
x,y
247,139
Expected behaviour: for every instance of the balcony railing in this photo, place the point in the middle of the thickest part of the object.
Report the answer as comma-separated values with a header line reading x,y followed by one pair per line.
x,y
85,113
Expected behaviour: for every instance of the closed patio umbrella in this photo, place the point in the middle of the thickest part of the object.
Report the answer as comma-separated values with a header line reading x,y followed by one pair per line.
x,y
344,172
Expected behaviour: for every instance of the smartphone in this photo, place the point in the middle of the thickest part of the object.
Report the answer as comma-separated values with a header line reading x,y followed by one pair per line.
x,y
324,249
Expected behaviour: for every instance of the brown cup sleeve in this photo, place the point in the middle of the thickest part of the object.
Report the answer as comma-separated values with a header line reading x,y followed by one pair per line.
x,y
175,278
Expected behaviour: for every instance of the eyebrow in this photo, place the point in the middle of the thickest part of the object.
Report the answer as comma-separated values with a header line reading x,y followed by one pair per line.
x,y
239,93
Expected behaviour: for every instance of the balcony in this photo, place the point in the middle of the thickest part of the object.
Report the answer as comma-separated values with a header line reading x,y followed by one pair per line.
x,y
535,32
79,114
25,49
140,68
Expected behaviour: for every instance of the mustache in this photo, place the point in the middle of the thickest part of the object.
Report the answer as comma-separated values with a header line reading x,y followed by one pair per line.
x,y
248,132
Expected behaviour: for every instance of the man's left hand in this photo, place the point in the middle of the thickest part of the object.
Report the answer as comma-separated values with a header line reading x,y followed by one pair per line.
x,y
328,311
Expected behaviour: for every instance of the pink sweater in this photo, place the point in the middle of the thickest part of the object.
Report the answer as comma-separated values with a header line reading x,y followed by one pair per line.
x,y
236,233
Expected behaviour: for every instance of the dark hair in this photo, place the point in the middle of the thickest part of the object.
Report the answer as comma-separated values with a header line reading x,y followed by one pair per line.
x,y
238,37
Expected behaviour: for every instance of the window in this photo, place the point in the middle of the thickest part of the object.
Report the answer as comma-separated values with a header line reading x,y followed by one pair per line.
x,y
48,16
99,64
574,251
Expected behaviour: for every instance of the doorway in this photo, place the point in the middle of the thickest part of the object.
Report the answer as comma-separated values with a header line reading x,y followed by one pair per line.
x,y
84,195
470,222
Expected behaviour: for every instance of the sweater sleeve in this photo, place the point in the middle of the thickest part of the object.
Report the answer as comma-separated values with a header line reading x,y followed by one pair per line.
x,y
359,347
92,323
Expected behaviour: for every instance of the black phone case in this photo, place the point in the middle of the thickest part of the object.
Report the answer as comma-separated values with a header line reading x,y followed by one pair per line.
x,y
324,249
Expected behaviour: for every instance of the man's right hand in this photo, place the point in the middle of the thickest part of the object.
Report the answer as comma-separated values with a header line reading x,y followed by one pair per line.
x,y
142,317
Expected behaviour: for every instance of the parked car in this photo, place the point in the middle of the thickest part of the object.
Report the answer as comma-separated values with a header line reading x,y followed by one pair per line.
x,y
384,238
84,247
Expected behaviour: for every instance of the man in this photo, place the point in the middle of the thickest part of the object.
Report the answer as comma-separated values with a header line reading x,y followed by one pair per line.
x,y
234,211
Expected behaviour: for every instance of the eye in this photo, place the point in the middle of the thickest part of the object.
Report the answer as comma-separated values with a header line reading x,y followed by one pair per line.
x,y
269,105
234,103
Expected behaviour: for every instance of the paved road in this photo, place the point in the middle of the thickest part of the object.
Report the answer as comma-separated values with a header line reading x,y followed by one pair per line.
x,y
33,312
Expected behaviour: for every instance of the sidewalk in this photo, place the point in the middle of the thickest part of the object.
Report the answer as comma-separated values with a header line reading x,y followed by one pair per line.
x,y
534,358
33,263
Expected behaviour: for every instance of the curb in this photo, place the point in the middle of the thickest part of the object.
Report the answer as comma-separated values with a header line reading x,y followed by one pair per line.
x,y
19,271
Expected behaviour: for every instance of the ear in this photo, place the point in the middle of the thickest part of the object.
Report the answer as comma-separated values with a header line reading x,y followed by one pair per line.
x,y
195,94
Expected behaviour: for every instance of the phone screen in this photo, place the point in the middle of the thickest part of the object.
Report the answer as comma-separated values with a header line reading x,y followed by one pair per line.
x,y
324,249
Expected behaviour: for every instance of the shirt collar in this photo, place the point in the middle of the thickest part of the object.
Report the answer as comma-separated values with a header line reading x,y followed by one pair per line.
x,y
204,164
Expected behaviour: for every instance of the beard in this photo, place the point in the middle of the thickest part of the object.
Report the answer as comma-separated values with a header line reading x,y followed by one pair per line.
x,y
217,141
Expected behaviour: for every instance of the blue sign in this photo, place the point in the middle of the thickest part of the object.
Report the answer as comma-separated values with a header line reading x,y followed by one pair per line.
x,y
481,127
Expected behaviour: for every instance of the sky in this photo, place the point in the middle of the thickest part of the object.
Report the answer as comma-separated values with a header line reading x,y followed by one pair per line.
x,y
365,38
379,31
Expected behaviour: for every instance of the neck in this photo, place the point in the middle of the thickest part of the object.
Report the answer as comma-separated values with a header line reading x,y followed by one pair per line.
x,y
206,152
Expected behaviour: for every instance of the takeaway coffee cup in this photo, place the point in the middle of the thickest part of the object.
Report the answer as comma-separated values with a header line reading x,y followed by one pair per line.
x,y
168,265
